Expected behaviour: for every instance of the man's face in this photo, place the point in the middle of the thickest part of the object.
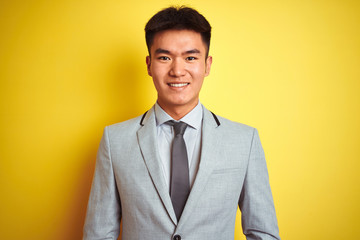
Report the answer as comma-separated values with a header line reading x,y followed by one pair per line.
x,y
178,65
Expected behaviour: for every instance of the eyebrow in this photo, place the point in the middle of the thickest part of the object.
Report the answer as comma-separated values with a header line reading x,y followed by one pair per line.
x,y
192,51
164,51
160,50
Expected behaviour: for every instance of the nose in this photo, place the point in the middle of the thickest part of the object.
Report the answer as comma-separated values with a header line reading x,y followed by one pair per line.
x,y
177,68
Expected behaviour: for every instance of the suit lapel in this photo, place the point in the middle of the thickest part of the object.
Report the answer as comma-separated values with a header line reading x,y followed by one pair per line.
x,y
208,160
148,145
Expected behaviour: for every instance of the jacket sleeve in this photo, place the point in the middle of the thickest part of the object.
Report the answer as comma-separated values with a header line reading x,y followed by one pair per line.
x,y
256,203
104,207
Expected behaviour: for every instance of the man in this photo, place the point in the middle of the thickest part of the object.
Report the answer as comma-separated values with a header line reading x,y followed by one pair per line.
x,y
179,171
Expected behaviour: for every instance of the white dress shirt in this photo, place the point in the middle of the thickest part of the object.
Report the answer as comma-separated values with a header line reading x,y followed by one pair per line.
x,y
192,138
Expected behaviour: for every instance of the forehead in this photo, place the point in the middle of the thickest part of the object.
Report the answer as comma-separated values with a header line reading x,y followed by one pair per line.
x,y
178,40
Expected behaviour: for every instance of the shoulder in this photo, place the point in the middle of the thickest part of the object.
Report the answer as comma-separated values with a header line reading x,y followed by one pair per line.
x,y
129,126
229,125
235,128
233,124
232,135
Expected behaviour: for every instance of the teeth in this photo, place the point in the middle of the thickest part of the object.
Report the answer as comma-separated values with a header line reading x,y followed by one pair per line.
x,y
178,84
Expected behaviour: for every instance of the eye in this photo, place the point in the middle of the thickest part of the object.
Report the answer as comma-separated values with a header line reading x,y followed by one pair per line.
x,y
164,58
191,58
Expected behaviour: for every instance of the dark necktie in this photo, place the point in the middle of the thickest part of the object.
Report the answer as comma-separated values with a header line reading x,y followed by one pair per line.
x,y
180,184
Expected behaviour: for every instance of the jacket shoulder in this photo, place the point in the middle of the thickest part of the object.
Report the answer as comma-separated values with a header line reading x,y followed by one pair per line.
x,y
235,126
128,126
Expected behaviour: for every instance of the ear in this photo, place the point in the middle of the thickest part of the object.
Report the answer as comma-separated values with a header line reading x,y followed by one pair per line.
x,y
148,63
208,63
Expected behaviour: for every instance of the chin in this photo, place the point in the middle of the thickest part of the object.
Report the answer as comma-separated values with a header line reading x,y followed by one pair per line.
x,y
181,102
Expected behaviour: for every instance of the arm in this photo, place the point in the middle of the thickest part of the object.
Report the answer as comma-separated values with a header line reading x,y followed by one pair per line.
x,y
104,207
256,204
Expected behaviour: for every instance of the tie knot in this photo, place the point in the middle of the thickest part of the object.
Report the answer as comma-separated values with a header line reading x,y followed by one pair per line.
x,y
179,127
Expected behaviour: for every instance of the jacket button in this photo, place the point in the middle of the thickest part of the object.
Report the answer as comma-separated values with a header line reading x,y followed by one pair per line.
x,y
177,237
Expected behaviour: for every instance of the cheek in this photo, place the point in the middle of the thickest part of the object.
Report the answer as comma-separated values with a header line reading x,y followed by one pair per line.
x,y
158,72
201,67
159,79
199,72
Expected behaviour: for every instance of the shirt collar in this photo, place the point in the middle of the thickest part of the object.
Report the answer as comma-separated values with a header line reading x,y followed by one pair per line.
x,y
193,118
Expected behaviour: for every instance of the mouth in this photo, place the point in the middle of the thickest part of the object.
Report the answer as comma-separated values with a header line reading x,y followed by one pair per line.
x,y
178,85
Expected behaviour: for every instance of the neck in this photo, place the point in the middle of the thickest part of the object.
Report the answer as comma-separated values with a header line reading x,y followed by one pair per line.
x,y
177,112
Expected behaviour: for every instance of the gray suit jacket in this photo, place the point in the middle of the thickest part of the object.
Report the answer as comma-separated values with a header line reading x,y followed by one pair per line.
x,y
128,185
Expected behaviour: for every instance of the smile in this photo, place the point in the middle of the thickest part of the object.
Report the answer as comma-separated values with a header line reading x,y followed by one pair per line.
x,y
178,84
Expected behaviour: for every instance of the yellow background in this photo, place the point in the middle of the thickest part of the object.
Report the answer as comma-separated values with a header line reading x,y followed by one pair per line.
x,y
69,67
